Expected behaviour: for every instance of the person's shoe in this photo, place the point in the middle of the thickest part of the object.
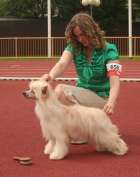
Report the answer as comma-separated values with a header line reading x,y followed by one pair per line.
x,y
78,142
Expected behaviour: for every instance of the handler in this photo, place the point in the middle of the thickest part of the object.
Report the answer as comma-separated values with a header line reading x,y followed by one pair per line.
x,y
96,62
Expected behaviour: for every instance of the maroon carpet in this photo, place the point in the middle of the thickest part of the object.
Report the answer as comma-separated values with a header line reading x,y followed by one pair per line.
x,y
20,135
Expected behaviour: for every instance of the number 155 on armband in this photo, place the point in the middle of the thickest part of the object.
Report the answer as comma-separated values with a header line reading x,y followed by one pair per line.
x,y
114,69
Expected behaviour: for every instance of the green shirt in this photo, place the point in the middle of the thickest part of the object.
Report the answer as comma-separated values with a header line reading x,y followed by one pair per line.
x,y
93,75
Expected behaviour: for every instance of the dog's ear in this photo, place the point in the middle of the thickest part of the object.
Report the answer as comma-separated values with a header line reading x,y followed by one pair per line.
x,y
44,90
32,81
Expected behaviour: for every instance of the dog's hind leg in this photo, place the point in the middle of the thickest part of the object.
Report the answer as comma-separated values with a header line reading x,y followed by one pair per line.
x,y
49,147
100,148
112,143
118,147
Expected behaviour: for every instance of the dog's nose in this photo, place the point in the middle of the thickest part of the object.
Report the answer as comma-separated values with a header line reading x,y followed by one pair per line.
x,y
24,93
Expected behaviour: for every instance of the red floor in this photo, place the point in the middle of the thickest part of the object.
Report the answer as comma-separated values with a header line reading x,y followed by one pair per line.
x,y
20,135
131,68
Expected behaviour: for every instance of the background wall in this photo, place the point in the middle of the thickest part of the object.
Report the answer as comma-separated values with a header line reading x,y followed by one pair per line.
x,y
38,28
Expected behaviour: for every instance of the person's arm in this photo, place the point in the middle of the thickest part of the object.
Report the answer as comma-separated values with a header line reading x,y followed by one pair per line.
x,y
114,92
59,67
113,95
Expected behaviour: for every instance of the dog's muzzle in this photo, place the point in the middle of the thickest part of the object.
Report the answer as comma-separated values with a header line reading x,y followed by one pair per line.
x,y
29,94
24,94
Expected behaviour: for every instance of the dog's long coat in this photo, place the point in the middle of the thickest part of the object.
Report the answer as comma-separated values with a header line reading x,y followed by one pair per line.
x,y
60,123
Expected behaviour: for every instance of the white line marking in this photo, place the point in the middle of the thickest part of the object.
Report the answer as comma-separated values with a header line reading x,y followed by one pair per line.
x,y
62,78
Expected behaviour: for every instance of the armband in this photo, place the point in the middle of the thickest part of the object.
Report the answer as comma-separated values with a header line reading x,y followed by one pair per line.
x,y
114,69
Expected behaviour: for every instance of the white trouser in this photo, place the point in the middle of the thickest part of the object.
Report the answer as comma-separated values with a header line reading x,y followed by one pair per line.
x,y
83,96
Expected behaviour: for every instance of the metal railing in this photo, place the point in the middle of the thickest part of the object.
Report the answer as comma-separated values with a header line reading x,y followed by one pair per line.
x,y
31,47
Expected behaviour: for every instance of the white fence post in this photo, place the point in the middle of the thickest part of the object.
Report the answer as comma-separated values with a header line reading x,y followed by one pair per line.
x,y
16,47
49,28
130,27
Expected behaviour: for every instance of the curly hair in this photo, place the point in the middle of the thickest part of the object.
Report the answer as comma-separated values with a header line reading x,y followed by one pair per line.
x,y
89,27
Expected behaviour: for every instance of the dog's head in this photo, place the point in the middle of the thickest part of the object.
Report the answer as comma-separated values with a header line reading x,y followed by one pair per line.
x,y
38,89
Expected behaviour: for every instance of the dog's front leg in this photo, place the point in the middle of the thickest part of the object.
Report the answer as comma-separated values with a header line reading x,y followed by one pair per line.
x,y
60,150
49,147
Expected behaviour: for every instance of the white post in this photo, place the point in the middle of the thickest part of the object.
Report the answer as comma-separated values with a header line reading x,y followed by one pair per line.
x,y
130,26
49,28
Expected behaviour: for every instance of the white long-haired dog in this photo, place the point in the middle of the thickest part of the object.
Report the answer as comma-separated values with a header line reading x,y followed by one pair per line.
x,y
60,123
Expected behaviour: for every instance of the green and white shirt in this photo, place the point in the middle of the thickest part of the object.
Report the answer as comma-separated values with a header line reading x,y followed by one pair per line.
x,y
93,75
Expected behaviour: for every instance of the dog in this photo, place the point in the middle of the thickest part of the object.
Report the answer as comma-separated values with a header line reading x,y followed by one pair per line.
x,y
60,124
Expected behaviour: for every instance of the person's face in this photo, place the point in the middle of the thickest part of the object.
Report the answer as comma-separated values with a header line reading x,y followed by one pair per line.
x,y
81,37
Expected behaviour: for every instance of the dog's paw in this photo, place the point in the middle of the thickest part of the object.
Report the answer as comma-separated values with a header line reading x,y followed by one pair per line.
x,y
47,151
48,148
121,148
56,156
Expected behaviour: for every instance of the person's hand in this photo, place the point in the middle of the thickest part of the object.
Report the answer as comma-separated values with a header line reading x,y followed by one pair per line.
x,y
46,77
109,107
